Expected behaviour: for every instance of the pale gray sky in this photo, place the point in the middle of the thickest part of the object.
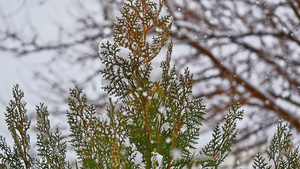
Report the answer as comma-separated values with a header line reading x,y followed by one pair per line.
x,y
26,16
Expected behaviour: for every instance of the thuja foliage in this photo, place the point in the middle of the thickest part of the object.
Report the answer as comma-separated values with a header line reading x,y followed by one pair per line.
x,y
218,148
149,122
51,148
280,152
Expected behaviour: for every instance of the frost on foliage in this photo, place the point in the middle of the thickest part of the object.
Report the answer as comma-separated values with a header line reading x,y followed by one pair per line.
x,y
166,126
156,160
162,110
158,30
123,52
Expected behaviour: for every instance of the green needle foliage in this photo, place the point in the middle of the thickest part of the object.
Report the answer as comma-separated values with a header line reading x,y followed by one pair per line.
x,y
158,117
18,125
152,122
223,137
98,142
280,151
51,146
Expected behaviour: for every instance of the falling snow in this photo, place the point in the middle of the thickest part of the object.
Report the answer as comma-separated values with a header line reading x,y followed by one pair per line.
x,y
176,154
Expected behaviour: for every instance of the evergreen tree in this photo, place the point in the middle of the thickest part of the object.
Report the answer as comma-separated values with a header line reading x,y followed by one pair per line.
x,y
51,146
280,151
159,118
150,120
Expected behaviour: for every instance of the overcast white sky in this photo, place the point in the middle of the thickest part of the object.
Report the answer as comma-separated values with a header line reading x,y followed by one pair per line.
x,y
21,15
